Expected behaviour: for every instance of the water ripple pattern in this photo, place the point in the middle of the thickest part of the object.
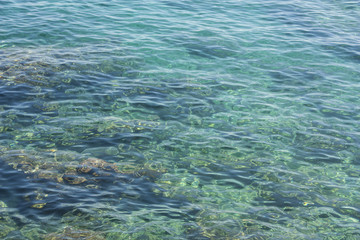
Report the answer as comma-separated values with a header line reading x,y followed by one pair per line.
x,y
179,119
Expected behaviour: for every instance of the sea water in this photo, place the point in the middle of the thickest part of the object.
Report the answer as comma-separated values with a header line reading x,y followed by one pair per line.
x,y
231,119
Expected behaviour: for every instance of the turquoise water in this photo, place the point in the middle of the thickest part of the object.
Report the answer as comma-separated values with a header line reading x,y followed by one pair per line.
x,y
179,119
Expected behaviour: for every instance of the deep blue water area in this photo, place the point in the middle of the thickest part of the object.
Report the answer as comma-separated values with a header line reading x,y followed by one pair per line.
x,y
179,119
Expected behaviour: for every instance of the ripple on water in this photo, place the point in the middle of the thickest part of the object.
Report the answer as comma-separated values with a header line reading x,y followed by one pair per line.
x,y
179,120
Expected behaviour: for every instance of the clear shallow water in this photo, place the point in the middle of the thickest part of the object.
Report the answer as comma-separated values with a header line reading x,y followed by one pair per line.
x,y
212,119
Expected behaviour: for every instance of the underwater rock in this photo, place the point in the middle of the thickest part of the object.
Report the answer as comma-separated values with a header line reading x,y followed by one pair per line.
x,y
5,229
38,66
90,173
73,178
78,234
35,67
150,174
90,164
7,224
60,167
32,231
2,205
46,187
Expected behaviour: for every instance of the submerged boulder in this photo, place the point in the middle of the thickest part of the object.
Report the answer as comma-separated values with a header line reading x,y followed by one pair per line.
x,y
74,234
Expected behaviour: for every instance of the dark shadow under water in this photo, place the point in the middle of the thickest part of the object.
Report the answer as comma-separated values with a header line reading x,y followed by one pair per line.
x,y
41,199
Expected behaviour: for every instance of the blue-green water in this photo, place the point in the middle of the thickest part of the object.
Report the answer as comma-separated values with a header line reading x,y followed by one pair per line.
x,y
201,119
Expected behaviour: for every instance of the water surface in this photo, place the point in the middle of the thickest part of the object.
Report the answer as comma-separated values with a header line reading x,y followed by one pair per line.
x,y
179,119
